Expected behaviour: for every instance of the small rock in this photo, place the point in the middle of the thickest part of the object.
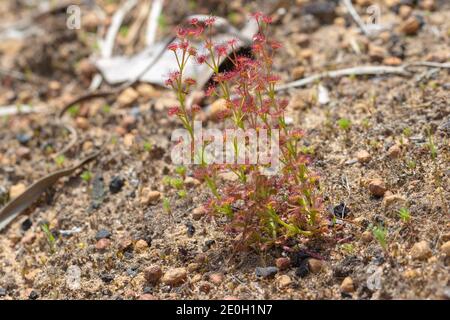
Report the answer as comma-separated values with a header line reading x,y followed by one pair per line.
x,y
217,110
366,236
377,187
428,5
125,244
141,245
283,263
149,196
193,267
2,292
377,53
23,152
23,138
147,296
153,273
410,274
404,11
445,248
204,287
284,281
266,272
116,184
421,250
103,244
394,151
298,72
82,123
198,213
393,199
392,61
73,278
410,26
191,182
174,276
190,229
127,97
16,190
216,278
228,176
315,265
128,140
102,233
33,295
363,156
347,285
147,91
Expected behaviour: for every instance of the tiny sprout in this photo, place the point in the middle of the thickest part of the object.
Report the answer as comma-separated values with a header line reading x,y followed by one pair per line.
x,y
411,164
366,123
59,160
106,108
380,233
74,110
344,124
182,193
181,171
147,146
86,176
166,205
404,214
49,235
432,146
124,31
177,183
407,132
348,248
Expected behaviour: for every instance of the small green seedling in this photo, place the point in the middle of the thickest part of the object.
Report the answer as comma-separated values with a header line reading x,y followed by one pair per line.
x,y
380,233
74,110
431,146
166,205
407,132
344,124
404,214
50,238
59,160
106,109
181,170
348,248
148,146
86,176
411,164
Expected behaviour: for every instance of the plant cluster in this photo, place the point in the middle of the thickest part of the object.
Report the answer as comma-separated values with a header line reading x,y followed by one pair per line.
x,y
265,209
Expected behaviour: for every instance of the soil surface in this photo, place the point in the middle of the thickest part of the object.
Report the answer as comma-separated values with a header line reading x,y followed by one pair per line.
x,y
106,240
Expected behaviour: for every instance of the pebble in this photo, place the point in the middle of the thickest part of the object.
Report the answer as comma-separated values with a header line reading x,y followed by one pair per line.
x,y
127,97
193,267
347,285
102,233
393,199
33,295
149,196
128,140
153,273
190,229
23,152
421,250
377,53
2,292
410,26
102,244
217,109
147,91
410,274
445,248
116,184
82,123
284,281
298,72
283,263
198,213
140,245
174,276
266,272
191,182
392,61
216,278
23,138
204,287
315,265
427,5
366,236
363,156
147,296
394,151
73,278
377,187
125,244
405,11
16,190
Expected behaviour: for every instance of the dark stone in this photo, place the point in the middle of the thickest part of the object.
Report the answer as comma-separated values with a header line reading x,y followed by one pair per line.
x,y
23,138
33,295
303,269
2,292
346,266
102,234
148,290
26,224
324,11
106,277
208,244
190,229
266,272
341,210
116,184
